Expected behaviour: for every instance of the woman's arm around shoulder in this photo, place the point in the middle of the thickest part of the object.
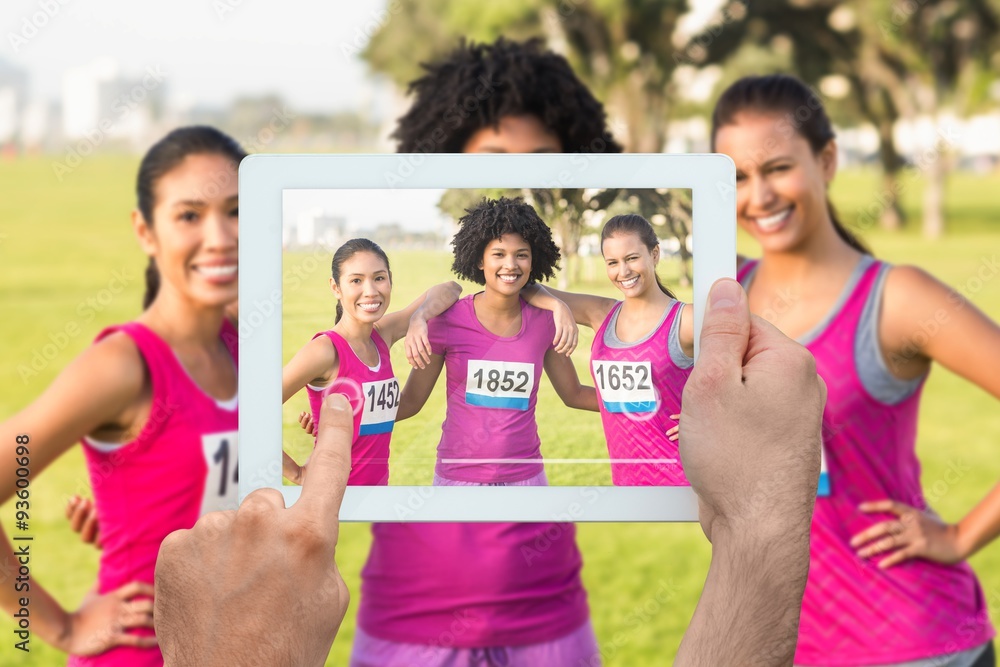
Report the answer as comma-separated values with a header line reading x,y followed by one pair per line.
x,y
587,309
395,326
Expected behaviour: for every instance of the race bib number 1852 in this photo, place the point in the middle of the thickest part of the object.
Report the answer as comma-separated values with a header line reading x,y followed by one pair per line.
x,y
499,384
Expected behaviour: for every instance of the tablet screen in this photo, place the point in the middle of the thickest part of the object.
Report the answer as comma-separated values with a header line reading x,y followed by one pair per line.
x,y
499,426
493,416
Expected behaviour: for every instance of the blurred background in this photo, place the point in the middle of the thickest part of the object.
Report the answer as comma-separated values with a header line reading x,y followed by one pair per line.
x,y
87,85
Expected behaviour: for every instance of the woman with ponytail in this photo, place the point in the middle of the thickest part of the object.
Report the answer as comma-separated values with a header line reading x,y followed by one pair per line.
x,y
152,400
352,358
640,358
888,582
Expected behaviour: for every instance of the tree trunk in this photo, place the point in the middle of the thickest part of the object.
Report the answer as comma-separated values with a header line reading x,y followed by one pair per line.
x,y
934,198
892,216
935,173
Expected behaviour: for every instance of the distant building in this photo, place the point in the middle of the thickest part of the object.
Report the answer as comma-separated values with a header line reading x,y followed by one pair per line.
x,y
314,227
102,106
13,98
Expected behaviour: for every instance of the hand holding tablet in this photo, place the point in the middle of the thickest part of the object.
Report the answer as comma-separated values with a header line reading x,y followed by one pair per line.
x,y
291,188
215,581
753,460
751,443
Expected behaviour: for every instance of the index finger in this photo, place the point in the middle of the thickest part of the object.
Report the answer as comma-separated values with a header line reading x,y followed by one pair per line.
x,y
330,462
725,334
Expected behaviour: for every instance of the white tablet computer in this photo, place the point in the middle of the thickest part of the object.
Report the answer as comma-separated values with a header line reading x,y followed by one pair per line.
x,y
296,210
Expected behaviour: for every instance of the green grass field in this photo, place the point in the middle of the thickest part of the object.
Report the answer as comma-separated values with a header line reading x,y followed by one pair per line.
x,y
61,244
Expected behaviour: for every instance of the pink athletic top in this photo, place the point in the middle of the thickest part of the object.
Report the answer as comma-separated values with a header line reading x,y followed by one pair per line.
x,y
181,465
477,585
853,612
472,585
492,385
374,396
639,386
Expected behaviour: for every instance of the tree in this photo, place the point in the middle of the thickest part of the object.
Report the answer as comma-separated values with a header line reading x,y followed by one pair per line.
x,y
902,60
571,211
621,50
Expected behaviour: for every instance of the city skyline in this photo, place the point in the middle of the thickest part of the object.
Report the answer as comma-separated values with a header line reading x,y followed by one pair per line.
x,y
210,51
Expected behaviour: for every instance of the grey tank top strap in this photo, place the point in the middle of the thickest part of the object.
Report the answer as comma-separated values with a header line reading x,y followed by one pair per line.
x,y
845,293
676,351
871,366
677,355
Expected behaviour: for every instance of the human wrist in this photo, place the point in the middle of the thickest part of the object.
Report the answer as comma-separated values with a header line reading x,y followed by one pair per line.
x,y
419,316
754,591
964,542
52,624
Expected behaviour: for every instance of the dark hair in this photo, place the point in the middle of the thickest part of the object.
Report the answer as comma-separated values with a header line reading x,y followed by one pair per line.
x,y
491,219
478,84
802,112
348,250
633,223
162,158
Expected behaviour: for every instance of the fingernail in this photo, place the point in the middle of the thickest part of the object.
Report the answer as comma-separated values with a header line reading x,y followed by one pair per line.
x,y
335,403
725,294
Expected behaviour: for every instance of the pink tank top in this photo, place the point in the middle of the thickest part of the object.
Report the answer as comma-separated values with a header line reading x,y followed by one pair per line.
x,y
181,465
472,585
853,612
374,396
492,388
638,387
468,585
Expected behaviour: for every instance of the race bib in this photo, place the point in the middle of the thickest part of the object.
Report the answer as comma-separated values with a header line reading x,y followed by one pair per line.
x,y
222,482
499,384
381,403
824,477
625,386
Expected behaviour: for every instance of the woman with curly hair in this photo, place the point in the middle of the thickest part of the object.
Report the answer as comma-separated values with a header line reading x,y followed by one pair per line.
x,y
463,594
494,346
504,97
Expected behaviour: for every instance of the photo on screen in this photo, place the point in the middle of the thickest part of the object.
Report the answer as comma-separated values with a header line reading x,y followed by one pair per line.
x,y
494,417
475,268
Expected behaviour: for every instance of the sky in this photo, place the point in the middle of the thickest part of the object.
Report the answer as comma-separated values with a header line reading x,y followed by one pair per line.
x,y
210,50
414,209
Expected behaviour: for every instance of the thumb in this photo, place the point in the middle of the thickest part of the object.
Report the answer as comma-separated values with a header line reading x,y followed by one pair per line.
x,y
725,334
330,463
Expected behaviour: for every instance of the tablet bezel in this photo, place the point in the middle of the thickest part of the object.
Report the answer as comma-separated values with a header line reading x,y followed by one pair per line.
x,y
262,180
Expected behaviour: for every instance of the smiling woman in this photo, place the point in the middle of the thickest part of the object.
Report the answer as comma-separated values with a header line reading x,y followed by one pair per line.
x,y
153,401
352,358
874,537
